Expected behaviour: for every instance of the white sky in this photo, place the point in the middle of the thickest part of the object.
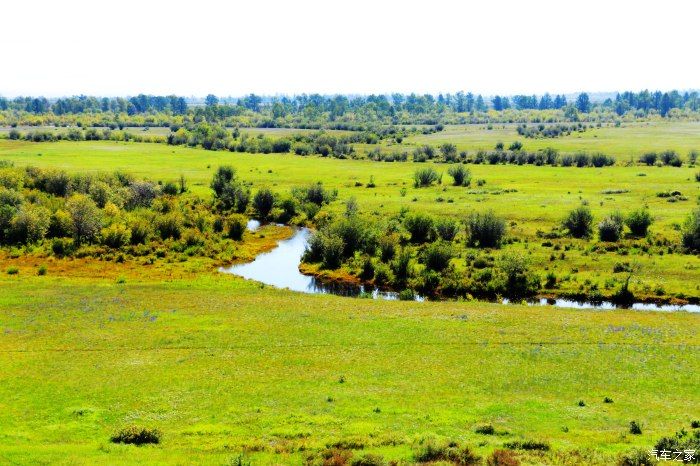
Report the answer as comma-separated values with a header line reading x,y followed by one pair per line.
x,y
69,47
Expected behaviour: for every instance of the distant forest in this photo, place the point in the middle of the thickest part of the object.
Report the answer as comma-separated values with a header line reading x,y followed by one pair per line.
x,y
336,106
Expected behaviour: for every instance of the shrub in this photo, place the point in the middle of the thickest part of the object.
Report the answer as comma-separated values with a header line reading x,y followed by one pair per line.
x,y
437,256
169,225
601,160
670,157
170,189
610,229
315,193
460,175
401,266
136,436
697,177
263,202
30,224
60,225
61,246
332,250
636,457
420,226
367,272
680,441
579,222
528,445
425,177
141,194
387,247
42,270
86,218
638,222
691,232
116,235
12,270
446,229
513,277
695,424
141,231
649,158
431,450
635,428
502,458
235,226
485,429
485,230
407,295
356,234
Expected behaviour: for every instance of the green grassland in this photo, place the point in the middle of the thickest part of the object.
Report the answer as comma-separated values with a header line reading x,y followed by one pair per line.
x,y
222,366
541,198
627,141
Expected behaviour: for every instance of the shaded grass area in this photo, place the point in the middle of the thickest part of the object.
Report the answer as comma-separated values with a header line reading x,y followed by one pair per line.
x,y
221,366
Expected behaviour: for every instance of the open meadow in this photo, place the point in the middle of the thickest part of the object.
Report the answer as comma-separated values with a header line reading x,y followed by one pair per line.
x,y
230,371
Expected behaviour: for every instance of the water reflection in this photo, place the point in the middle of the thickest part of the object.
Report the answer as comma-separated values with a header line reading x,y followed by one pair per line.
x,y
280,268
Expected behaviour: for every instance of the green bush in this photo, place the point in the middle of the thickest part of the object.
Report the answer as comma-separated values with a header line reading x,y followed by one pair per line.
x,y
639,222
460,174
86,218
610,228
61,224
116,235
636,457
12,270
263,202
447,229
420,226
425,177
437,256
136,436
30,224
691,232
387,247
42,270
485,230
513,277
368,460
635,428
169,225
235,226
579,222
428,450
141,231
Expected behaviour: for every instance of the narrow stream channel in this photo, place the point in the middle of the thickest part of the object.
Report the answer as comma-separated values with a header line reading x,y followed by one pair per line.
x,y
280,268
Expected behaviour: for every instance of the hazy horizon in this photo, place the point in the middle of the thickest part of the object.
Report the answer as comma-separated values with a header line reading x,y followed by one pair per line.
x,y
284,48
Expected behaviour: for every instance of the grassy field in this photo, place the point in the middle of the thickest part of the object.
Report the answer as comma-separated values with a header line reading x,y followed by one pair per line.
x,y
530,198
222,367
628,141
225,367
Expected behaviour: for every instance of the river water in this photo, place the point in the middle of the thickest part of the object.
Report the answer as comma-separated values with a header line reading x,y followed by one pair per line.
x,y
280,268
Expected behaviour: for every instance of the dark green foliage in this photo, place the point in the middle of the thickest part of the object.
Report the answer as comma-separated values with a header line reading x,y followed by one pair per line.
x,y
691,232
42,270
367,272
170,189
29,224
532,445
12,270
460,174
485,230
485,429
429,450
229,191
682,440
579,222
635,428
235,226
387,247
315,193
141,230
357,235
446,229
638,222
437,256
513,277
425,177
649,158
401,266
136,436
610,228
263,202
169,225
420,226
636,457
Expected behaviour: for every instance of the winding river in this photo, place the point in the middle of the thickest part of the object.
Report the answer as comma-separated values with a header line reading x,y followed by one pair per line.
x,y
280,268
